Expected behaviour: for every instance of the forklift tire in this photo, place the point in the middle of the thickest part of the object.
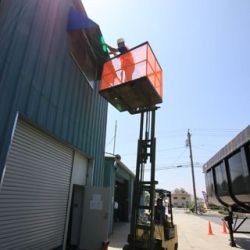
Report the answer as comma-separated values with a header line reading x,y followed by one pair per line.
x,y
158,245
176,246
126,247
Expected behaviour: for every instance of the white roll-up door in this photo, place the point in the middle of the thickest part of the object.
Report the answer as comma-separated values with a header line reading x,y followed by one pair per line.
x,y
34,195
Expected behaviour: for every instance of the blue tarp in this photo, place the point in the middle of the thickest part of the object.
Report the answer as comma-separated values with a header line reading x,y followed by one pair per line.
x,y
78,21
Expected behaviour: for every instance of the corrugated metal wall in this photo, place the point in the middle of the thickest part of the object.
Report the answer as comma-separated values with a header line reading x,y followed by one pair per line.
x,y
34,196
39,79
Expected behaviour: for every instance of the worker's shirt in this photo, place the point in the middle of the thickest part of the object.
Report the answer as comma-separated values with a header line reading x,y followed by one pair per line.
x,y
123,50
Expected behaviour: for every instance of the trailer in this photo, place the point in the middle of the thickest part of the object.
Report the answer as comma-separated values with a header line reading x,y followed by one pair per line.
x,y
228,181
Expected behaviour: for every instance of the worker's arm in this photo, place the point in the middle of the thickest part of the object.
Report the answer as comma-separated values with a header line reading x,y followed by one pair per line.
x,y
112,50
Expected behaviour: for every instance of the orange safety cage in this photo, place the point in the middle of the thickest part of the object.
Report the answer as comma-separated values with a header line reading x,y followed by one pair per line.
x,y
132,81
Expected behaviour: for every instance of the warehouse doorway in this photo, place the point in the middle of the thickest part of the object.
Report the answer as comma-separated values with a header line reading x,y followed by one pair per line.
x,y
121,201
75,220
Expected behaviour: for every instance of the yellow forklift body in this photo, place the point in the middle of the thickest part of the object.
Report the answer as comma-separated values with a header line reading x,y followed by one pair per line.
x,y
169,244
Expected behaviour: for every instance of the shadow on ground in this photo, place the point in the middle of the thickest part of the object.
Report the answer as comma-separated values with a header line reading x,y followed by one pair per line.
x,y
119,238
242,243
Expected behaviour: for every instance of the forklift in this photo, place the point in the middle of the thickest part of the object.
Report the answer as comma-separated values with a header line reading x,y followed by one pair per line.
x,y
165,234
140,95
145,233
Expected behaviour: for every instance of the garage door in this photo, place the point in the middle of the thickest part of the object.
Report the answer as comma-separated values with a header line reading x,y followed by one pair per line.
x,y
34,195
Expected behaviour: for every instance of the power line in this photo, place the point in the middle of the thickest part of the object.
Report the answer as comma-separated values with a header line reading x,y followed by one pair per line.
x,y
179,156
158,151
169,149
217,129
196,165
199,132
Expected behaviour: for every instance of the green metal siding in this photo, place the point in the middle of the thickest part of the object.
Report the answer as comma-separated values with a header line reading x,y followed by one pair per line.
x,y
109,174
39,79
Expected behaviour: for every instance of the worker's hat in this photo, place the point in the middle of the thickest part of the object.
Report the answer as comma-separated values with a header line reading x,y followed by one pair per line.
x,y
120,40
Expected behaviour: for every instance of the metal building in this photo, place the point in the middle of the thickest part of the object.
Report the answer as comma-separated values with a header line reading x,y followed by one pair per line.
x,y
53,125
120,179
181,199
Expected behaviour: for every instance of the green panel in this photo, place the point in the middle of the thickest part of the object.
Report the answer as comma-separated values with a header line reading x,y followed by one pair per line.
x,y
109,173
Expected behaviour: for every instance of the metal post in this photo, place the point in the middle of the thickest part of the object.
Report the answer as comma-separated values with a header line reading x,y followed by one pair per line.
x,y
152,193
115,137
229,220
192,168
136,188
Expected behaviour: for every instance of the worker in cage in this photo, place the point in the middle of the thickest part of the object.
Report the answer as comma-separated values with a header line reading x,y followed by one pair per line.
x,y
126,59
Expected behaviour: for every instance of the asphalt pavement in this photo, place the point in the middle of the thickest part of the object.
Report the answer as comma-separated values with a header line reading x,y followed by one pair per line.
x,y
192,233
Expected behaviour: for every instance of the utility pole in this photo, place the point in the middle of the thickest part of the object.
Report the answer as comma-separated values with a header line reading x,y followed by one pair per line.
x,y
115,137
192,167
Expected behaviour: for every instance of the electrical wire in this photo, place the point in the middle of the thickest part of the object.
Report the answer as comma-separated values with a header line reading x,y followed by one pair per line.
x,y
179,156
179,166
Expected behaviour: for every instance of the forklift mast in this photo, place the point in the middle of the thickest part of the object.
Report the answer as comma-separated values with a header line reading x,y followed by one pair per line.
x,y
137,93
145,151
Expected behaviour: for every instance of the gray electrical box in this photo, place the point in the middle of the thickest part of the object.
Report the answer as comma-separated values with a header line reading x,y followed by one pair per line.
x,y
96,216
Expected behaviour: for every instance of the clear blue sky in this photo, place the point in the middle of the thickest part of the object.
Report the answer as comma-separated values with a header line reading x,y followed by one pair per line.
x,y
203,47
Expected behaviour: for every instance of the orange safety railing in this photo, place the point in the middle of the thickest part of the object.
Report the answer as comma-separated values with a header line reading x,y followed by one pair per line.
x,y
136,63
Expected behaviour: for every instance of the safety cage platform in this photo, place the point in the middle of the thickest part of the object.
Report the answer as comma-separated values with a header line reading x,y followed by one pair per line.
x,y
132,81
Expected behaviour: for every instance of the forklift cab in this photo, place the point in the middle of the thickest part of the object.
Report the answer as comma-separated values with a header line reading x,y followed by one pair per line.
x,y
165,232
